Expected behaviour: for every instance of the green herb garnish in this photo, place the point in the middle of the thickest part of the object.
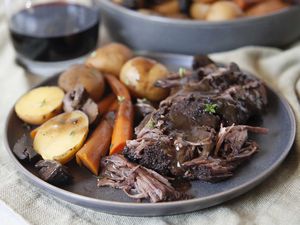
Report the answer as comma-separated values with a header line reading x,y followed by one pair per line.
x,y
210,108
127,82
111,145
143,100
72,133
121,98
150,124
43,103
93,54
181,72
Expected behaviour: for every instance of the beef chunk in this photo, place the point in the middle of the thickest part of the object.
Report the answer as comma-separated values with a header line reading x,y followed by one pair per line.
x,y
144,107
78,99
153,157
53,172
232,149
24,151
185,136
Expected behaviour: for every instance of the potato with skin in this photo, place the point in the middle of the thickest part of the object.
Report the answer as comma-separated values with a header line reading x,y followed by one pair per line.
x,y
199,10
91,79
223,10
139,75
40,104
149,12
168,7
110,58
62,136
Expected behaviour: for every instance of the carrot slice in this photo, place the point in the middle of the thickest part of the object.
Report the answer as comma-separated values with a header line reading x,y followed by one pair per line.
x,y
104,104
33,132
96,146
117,87
123,126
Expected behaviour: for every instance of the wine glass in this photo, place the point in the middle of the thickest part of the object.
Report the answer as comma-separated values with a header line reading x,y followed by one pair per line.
x,y
50,35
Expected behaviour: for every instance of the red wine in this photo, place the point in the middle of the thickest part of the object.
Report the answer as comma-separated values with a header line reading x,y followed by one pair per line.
x,y
54,31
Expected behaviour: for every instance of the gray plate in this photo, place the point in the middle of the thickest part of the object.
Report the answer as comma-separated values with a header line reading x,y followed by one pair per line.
x,y
162,34
83,191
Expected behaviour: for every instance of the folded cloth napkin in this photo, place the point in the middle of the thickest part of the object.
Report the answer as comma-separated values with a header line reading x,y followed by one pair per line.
x,y
275,201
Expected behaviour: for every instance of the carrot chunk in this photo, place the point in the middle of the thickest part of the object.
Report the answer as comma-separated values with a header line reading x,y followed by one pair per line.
x,y
105,103
96,146
123,126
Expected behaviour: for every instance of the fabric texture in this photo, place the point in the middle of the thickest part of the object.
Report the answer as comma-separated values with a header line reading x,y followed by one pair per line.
x,y
275,201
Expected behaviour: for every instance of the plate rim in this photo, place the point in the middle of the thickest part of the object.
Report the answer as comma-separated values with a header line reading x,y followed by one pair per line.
x,y
211,200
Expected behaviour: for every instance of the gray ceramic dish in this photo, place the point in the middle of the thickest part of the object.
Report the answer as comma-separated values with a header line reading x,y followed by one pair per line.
x,y
83,191
144,32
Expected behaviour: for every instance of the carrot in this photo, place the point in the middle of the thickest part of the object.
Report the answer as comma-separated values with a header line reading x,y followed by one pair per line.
x,y
33,132
105,103
245,4
96,146
123,126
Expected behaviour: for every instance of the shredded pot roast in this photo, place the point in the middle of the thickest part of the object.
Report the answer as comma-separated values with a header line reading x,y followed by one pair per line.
x,y
199,132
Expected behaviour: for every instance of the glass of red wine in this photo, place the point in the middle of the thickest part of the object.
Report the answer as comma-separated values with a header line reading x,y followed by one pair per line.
x,y
50,35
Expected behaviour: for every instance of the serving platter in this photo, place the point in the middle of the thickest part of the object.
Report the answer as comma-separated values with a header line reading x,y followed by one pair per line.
x,y
192,36
278,118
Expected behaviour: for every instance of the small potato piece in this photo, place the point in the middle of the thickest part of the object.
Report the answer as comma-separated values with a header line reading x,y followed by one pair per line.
x,y
223,10
62,136
266,7
199,10
91,79
40,104
110,58
149,12
168,7
139,75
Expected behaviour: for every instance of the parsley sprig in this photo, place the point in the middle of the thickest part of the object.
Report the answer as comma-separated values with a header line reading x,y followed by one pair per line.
x,y
181,72
151,124
120,98
210,108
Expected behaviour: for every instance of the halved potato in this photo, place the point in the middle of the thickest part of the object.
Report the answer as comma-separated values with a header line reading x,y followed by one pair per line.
x,y
40,104
62,136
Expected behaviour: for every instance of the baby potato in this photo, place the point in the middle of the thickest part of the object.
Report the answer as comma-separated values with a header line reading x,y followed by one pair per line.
x,y
110,58
40,104
199,10
91,79
62,136
223,10
167,7
148,12
139,75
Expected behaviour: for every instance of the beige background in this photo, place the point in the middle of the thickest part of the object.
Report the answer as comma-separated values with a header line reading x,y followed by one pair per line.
x,y
275,201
